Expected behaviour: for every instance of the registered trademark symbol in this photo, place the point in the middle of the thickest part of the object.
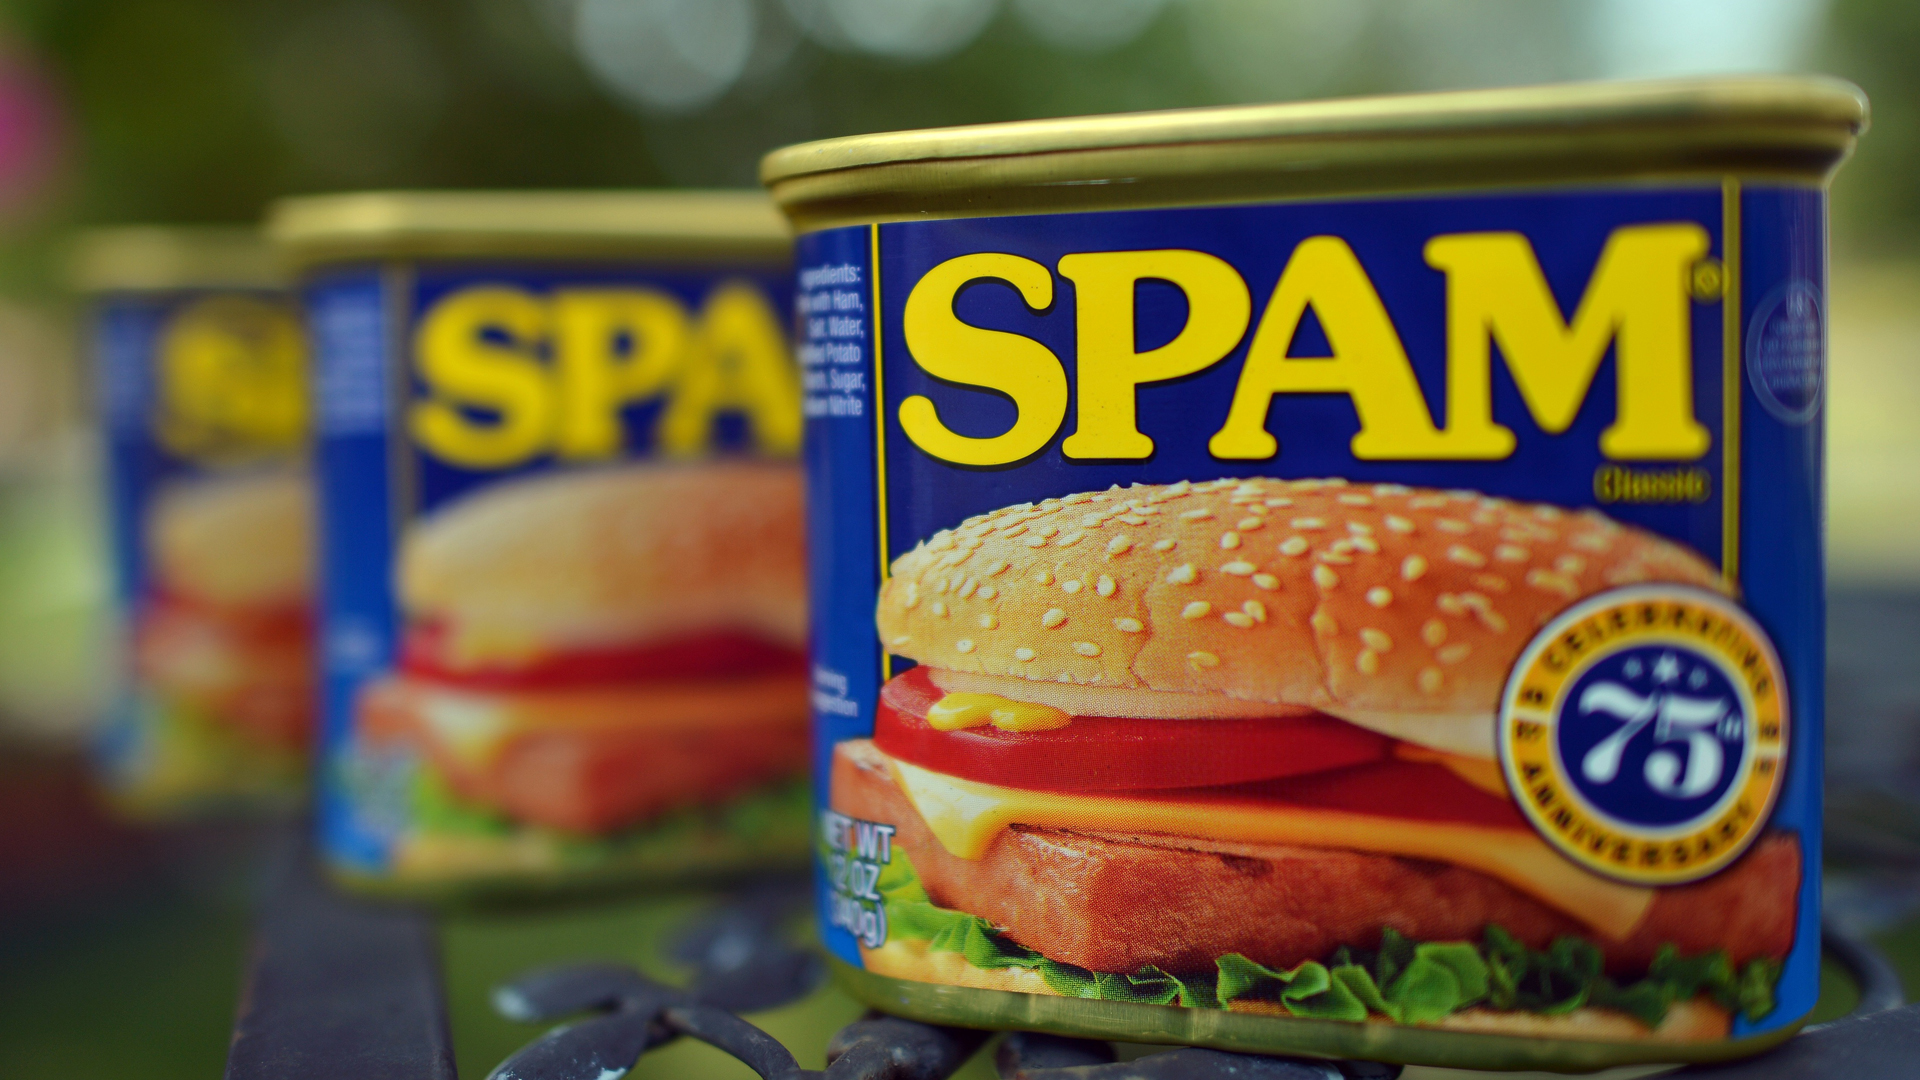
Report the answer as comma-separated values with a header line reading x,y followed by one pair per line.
x,y
1708,279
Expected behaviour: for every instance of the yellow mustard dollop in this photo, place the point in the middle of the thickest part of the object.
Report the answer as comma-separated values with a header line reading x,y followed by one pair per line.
x,y
957,711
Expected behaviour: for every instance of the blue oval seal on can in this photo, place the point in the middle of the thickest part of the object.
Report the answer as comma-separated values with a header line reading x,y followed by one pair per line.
x,y
1786,352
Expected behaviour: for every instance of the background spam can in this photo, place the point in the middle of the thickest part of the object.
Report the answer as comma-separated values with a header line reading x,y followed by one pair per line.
x,y
200,369
563,617
1337,578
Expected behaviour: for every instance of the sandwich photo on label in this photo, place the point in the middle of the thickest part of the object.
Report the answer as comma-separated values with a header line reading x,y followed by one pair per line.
x,y
588,651
1231,745
222,639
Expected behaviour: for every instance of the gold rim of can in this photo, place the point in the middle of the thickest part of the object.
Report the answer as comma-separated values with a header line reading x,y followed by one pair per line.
x,y
1793,128
690,226
165,258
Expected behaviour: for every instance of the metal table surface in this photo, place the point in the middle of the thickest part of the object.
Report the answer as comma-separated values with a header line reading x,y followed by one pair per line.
x,y
342,989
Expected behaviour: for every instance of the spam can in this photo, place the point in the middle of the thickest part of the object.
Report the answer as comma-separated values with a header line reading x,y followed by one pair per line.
x,y
1340,578
200,368
563,616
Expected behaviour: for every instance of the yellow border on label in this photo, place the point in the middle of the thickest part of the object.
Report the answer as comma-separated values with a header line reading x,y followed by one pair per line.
x,y
879,426
1731,369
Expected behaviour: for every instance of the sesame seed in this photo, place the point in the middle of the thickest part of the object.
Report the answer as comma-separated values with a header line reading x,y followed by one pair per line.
x,y
1430,680
913,593
1229,541
1367,544
1071,587
1256,609
1491,582
1240,619
1043,577
1390,489
1355,499
1551,582
1063,677
998,566
1454,653
1164,545
1412,568
1491,619
1119,545
1023,653
1053,618
1105,586
1338,558
1144,509
1069,539
1127,626
1195,515
1453,525
1512,553
1086,648
1248,488
1593,542
1465,556
1340,547
1570,564
985,593
1398,524
1547,513
1238,568
964,645
1449,604
1266,581
967,587
942,541
1202,660
1377,640
952,558
942,585
1132,519
988,622
1182,575
1092,520
1294,545
1035,541
938,608
1325,578
1359,528
1308,523
1049,531
1279,502
1368,662
1379,596
1014,530
1248,524
1197,609
1324,624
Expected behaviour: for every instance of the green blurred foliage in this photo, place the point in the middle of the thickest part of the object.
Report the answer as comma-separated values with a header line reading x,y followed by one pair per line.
x,y
1876,43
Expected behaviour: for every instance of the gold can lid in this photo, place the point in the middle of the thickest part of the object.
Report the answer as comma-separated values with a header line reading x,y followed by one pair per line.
x,y
1787,127
162,258
699,226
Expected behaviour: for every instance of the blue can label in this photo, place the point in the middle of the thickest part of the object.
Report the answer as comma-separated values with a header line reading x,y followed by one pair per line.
x,y
563,614
203,398
1398,610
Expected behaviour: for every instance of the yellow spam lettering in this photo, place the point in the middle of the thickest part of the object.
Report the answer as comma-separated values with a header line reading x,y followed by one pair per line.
x,y
231,381
511,375
1637,302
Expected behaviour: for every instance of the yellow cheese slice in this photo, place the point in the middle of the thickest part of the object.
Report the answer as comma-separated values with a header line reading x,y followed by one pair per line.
x,y
966,815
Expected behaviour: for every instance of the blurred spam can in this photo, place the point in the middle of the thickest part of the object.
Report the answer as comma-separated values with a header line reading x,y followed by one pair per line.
x,y
1337,578
563,615
200,368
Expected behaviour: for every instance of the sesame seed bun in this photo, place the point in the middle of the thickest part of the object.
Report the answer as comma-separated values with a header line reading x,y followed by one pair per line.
x,y
622,555
243,540
1398,609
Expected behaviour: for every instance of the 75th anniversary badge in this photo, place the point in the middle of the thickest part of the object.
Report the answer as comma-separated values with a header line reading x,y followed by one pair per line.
x,y
1644,732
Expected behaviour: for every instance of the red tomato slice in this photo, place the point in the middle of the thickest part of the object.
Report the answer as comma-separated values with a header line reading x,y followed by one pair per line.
x,y
424,653
1105,753
1402,789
